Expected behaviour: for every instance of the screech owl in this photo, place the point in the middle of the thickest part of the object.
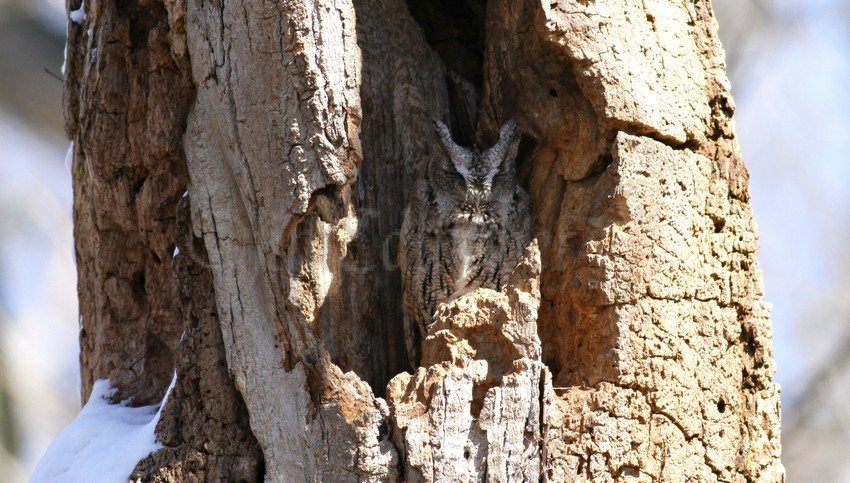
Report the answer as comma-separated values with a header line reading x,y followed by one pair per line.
x,y
465,227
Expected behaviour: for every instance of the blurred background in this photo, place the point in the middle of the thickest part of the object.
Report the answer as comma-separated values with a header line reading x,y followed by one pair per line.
x,y
789,64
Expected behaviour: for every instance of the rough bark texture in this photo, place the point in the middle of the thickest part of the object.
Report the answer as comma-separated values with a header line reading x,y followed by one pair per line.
x,y
273,164
474,411
653,320
204,427
126,100
128,92
633,344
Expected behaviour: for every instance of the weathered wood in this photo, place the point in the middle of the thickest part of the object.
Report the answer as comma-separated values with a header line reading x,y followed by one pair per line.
x,y
475,409
126,98
298,256
653,319
128,91
204,426
635,343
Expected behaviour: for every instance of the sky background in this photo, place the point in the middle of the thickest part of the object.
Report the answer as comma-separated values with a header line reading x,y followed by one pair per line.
x,y
790,83
790,75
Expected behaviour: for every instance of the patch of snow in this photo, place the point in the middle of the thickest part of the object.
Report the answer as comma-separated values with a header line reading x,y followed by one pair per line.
x,y
69,156
104,443
79,15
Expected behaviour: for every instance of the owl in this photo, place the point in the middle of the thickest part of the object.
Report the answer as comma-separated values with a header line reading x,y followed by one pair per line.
x,y
465,227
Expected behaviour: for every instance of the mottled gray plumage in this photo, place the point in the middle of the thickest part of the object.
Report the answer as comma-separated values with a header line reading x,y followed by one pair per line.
x,y
465,227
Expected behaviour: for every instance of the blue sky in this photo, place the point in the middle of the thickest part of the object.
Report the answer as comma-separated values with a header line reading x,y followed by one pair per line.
x,y
790,84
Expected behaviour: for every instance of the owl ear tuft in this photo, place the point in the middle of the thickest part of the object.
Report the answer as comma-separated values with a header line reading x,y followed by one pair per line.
x,y
507,146
453,150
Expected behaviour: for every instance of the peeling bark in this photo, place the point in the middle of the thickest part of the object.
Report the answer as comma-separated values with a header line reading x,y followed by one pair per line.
x,y
633,341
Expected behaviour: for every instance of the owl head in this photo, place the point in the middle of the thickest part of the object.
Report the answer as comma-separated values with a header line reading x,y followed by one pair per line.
x,y
472,184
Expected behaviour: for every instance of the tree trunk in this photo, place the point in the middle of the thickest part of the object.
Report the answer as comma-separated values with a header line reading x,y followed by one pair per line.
x,y
633,340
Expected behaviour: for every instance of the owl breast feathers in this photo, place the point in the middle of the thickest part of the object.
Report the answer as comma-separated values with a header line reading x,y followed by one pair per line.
x,y
465,226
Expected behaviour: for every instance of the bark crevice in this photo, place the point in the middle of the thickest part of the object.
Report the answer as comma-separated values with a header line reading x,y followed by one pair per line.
x,y
641,303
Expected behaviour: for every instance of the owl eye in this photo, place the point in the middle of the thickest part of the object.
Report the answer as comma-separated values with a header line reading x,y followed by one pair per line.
x,y
453,174
502,172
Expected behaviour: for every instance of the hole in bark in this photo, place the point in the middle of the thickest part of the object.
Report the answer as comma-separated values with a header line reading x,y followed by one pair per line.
x,y
137,185
721,406
748,381
454,29
719,224
137,287
383,430
724,104
749,340
327,203
367,291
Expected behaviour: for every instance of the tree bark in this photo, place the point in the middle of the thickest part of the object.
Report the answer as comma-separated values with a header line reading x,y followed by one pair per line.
x,y
632,342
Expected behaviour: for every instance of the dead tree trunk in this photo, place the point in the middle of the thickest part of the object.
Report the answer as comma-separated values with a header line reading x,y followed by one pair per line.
x,y
632,342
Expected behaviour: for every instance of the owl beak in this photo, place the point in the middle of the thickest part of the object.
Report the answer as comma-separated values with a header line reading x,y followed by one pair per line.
x,y
479,196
